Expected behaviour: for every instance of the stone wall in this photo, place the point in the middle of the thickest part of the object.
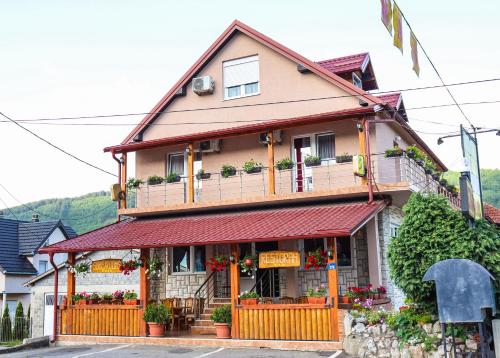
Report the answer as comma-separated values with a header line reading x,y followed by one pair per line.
x,y
157,285
389,218
183,284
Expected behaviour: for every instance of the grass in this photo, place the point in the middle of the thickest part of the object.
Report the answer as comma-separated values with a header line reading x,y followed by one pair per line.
x,y
10,343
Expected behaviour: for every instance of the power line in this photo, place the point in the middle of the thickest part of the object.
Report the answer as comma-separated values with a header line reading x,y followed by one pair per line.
x,y
56,147
6,206
452,104
255,104
434,67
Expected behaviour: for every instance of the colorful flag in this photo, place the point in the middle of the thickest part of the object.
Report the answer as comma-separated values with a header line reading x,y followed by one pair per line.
x,y
387,14
397,23
414,53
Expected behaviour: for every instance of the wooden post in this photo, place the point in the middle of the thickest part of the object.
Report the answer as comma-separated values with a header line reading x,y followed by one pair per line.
x,y
270,157
70,291
143,291
123,201
235,290
362,147
333,289
190,173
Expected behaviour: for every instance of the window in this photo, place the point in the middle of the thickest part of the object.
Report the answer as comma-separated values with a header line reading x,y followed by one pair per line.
x,y
394,230
42,266
311,245
357,81
344,257
326,145
181,258
241,77
186,259
176,164
245,249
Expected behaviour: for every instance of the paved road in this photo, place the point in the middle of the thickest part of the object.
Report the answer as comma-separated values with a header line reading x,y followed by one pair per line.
x,y
129,351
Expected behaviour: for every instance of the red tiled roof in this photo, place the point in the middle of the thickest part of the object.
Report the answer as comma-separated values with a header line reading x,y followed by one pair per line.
x,y
344,64
391,98
492,213
235,227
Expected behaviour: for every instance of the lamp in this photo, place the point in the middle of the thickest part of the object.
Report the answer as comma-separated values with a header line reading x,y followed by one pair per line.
x,y
440,141
359,126
498,133
330,254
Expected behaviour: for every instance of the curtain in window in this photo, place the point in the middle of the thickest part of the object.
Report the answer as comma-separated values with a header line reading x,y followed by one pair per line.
x,y
326,146
181,259
176,164
199,258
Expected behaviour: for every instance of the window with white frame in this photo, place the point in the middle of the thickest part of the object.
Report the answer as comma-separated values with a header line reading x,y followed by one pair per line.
x,y
241,77
325,145
176,164
186,259
357,81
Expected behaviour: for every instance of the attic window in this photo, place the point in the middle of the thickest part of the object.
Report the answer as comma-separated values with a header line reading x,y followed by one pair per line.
x,y
241,77
357,81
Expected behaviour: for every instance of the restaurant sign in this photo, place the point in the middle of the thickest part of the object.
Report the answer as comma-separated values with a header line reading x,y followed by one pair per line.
x,y
274,259
106,266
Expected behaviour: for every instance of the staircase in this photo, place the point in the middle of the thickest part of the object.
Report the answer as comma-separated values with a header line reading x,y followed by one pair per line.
x,y
204,325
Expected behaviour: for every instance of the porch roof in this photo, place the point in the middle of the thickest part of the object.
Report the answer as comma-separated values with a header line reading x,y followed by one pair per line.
x,y
299,222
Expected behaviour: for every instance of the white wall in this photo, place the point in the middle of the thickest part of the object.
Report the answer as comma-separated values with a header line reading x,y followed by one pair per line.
x,y
55,237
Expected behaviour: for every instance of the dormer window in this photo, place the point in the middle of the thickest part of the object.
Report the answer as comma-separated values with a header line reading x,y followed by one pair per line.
x,y
357,81
241,77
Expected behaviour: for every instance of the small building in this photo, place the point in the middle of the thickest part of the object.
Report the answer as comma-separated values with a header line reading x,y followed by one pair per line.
x,y
20,259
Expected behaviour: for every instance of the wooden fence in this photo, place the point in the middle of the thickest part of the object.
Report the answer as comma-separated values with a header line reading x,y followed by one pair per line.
x,y
101,320
285,322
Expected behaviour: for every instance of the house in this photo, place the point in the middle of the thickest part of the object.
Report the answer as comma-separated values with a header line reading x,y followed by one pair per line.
x,y
268,156
20,259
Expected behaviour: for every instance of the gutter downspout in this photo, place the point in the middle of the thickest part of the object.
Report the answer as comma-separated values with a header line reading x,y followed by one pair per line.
x,y
366,124
56,295
113,154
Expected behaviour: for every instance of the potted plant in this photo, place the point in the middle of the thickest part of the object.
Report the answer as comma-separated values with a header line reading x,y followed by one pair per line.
x,y
443,182
127,266
316,260
80,269
316,296
107,298
429,166
173,178
252,167
155,180
312,161
201,175
436,176
218,263
382,292
352,293
154,267
249,264
344,158
134,183
249,298
284,164
156,316
221,316
227,171
412,151
94,298
118,297
454,191
130,298
80,299
393,152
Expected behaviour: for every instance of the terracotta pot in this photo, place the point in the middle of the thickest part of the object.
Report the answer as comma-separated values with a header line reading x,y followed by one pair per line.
x,y
134,302
82,302
249,262
249,301
156,329
316,300
344,299
222,330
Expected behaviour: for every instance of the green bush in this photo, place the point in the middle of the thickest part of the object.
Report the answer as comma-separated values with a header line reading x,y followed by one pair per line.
x,y
251,166
432,231
173,178
222,314
19,322
156,313
227,171
155,179
133,183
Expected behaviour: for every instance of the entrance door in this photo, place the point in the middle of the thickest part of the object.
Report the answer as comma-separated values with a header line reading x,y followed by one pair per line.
x,y
303,175
48,319
268,280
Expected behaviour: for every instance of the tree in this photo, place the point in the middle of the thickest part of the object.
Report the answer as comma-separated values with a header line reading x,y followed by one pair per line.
x,y
6,333
19,322
432,231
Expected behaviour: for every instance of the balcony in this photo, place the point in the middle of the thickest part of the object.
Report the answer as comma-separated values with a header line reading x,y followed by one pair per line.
x,y
328,180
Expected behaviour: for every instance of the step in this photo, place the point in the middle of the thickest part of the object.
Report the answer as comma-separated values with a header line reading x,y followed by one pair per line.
x,y
203,329
204,322
205,316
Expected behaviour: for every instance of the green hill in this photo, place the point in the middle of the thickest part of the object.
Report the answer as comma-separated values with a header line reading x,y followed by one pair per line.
x,y
91,211
83,213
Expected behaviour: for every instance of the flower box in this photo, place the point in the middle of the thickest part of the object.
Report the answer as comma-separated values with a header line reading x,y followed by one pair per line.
x,y
203,176
249,301
316,300
81,302
94,301
253,170
131,302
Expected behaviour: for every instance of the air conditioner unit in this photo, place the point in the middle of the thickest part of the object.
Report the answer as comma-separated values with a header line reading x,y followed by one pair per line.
x,y
203,85
276,137
210,146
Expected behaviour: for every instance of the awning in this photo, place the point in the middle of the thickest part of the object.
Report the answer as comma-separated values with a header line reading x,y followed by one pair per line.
x,y
303,222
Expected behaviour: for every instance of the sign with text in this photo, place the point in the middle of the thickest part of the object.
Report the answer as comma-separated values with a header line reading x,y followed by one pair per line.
x,y
106,266
331,266
276,259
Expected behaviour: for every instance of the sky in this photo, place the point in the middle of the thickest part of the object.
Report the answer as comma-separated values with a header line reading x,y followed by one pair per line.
x,y
68,58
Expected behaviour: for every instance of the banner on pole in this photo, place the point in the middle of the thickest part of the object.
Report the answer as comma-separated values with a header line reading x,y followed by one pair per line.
x,y
397,23
387,14
414,53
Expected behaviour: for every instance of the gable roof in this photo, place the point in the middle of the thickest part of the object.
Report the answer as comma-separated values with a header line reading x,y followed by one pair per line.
x,y
238,26
357,62
492,213
19,239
